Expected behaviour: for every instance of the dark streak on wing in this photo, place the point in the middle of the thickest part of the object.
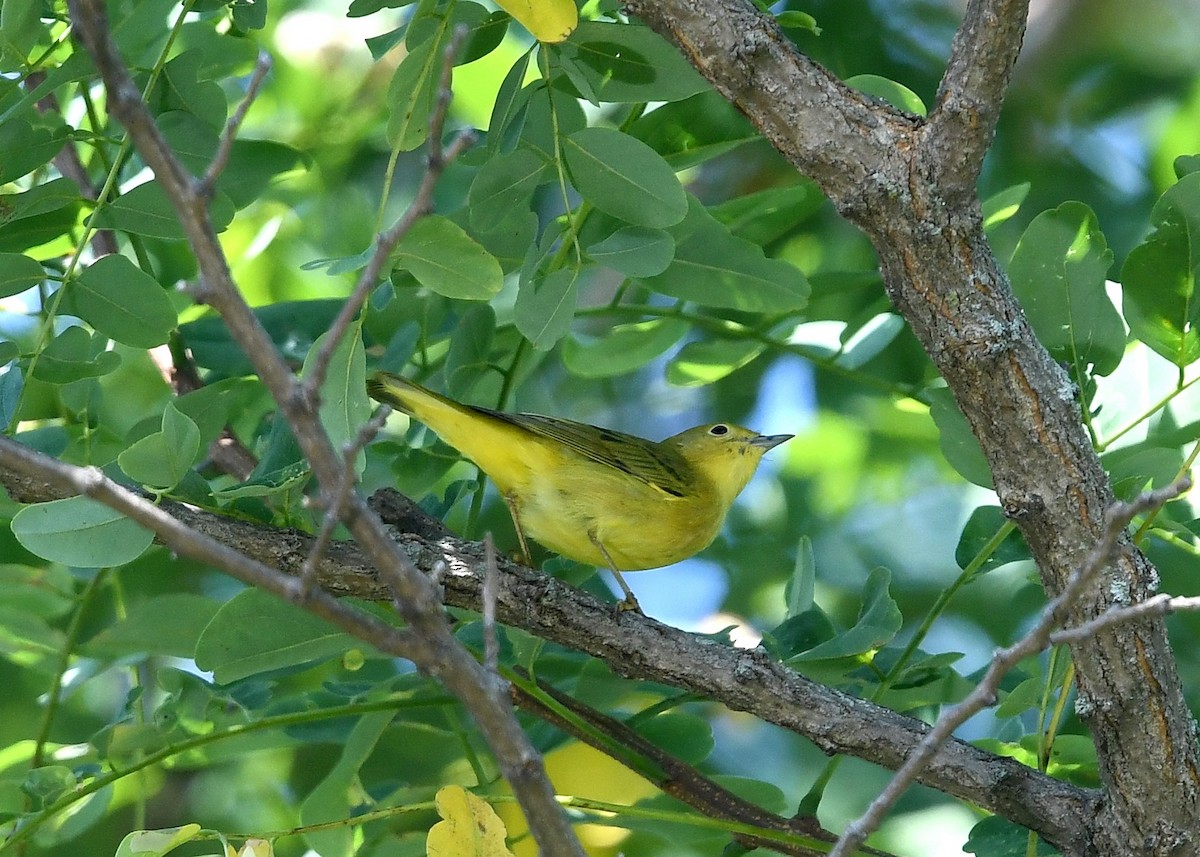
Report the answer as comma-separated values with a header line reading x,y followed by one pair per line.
x,y
657,466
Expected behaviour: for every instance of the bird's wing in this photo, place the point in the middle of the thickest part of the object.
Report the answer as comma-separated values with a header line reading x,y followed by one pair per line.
x,y
652,463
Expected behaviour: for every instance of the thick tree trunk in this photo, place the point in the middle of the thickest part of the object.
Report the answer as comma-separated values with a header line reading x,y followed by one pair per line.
x,y
909,184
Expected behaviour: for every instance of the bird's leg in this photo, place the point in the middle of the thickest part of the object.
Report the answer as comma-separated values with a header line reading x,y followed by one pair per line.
x,y
630,601
510,501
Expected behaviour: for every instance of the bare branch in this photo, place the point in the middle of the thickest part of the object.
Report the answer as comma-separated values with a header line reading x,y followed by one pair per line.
x,y
187,541
883,171
228,136
972,91
641,648
675,777
491,574
335,506
422,204
1158,605
984,694
435,649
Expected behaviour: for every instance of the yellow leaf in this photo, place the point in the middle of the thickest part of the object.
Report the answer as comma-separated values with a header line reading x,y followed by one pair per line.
x,y
470,828
548,20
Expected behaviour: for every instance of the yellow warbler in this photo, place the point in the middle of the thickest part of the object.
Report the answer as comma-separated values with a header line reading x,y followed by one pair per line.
x,y
591,494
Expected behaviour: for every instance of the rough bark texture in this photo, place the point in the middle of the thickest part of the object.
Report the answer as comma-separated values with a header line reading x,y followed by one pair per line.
x,y
909,184
639,647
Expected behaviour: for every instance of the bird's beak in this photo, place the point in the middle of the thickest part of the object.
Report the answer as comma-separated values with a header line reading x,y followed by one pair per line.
x,y
770,441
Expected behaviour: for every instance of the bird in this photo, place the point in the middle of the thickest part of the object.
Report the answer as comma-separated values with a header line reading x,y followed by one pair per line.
x,y
594,495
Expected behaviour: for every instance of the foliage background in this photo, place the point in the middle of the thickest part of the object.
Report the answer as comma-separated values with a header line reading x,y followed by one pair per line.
x,y
1094,115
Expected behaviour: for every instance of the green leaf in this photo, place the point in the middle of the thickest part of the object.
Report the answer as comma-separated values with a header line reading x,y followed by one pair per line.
x,y
999,207
870,340
801,586
545,307
979,534
895,94
685,736
42,199
447,260
550,116
715,268
24,148
12,384
412,95
624,177
1160,276
331,799
958,444
612,62
80,532
1185,164
161,460
255,632
145,210
33,231
622,349
636,251
878,622
249,14
193,141
281,468
485,30
184,87
1058,272
253,166
510,103
292,325
75,354
470,350
998,837
701,363
20,25
799,633
18,272
164,625
1024,697
505,185
770,214
154,843
344,403
45,592
122,302
690,132
793,20
212,406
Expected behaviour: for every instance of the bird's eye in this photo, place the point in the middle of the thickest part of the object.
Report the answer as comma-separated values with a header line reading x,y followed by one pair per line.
x,y
718,430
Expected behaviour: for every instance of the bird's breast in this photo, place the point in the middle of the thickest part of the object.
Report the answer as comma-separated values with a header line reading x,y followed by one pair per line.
x,y
639,525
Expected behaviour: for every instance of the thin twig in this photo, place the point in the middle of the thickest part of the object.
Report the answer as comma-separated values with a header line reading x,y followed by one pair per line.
x,y
335,508
491,575
642,649
436,162
1157,605
972,90
204,187
434,648
1116,519
673,776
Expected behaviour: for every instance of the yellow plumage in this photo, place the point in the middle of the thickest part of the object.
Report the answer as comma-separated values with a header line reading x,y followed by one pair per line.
x,y
591,494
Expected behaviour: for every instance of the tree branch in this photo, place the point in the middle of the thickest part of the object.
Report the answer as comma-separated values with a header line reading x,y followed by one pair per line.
x,y
972,91
881,170
985,693
434,648
641,648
